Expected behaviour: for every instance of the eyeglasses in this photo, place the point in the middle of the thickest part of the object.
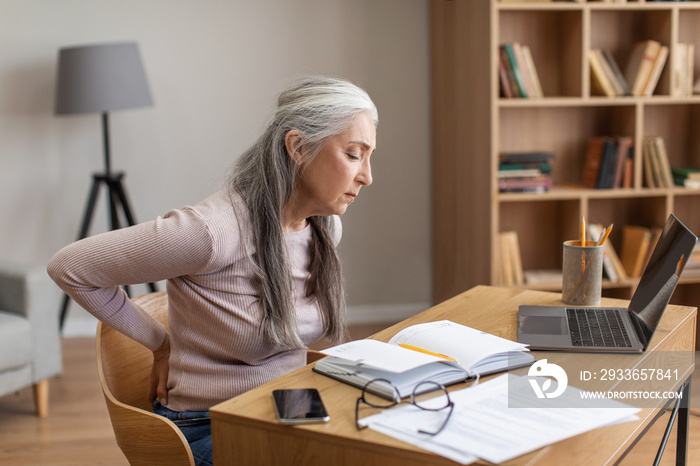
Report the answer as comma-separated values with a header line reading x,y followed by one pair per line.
x,y
419,398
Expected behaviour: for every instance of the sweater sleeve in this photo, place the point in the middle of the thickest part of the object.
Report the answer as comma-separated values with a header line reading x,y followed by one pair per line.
x,y
91,270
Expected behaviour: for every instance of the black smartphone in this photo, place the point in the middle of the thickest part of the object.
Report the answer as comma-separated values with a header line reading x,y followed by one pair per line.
x,y
299,405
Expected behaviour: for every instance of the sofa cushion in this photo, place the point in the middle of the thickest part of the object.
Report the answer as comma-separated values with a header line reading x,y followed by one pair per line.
x,y
16,341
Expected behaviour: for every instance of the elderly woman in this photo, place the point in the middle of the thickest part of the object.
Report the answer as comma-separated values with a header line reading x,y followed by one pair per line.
x,y
253,275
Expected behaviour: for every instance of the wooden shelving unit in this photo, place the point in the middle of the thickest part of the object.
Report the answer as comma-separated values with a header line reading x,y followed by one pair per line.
x,y
472,125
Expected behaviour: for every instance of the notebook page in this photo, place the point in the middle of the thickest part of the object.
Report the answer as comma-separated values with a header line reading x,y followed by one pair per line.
x,y
467,345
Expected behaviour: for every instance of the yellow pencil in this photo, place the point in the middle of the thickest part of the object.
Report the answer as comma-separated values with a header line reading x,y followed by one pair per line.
x,y
425,351
605,235
583,231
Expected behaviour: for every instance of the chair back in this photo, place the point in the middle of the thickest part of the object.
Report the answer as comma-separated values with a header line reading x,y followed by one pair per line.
x,y
124,368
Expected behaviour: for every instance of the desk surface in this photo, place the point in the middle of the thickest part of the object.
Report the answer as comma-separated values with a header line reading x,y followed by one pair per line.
x,y
246,432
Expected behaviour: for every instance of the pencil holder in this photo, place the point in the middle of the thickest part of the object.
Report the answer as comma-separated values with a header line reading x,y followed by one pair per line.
x,y
582,273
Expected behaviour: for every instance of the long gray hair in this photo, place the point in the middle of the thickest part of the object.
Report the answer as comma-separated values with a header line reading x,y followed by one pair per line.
x,y
265,175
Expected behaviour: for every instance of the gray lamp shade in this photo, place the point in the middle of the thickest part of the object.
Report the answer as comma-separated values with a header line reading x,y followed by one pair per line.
x,y
100,78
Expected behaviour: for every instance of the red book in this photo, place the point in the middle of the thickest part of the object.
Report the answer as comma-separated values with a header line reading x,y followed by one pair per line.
x,y
592,162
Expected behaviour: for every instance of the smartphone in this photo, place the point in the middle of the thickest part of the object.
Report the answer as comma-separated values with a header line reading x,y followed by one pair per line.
x,y
299,405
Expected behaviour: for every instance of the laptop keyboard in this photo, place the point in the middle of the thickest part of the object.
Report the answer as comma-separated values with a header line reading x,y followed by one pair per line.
x,y
597,328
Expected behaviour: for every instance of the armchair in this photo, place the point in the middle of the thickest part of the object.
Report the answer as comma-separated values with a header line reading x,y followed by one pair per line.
x,y
29,335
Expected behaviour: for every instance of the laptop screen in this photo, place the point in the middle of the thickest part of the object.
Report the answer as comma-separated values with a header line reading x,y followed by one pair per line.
x,y
661,274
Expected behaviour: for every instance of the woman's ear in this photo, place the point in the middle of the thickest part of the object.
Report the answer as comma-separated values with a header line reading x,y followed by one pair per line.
x,y
294,144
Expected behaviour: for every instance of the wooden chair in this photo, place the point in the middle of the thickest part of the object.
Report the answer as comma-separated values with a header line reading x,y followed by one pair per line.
x,y
124,368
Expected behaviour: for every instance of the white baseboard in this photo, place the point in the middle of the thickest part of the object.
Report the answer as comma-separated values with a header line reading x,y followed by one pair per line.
x,y
85,325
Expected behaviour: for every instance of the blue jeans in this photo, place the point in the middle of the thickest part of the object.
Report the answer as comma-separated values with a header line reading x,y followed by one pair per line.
x,y
196,428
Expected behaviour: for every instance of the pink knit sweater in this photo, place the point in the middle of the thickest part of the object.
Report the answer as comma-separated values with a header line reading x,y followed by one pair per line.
x,y
217,346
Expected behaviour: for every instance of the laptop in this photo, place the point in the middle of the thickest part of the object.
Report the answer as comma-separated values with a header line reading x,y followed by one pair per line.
x,y
584,329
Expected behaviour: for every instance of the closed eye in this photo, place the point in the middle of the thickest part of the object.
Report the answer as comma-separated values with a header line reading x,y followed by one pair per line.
x,y
353,157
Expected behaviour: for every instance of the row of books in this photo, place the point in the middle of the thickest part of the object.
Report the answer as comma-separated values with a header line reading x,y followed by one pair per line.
x,y
641,75
637,245
608,163
517,71
525,171
657,169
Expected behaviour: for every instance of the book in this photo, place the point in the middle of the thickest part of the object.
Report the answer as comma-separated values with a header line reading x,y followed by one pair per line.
x,y
471,353
504,61
619,76
592,162
640,64
655,72
515,67
522,66
628,177
635,245
532,71
601,82
511,267
624,149
657,169
665,174
678,75
689,69
506,90
608,165
683,69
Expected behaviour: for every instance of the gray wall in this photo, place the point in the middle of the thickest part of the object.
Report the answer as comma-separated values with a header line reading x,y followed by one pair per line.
x,y
214,69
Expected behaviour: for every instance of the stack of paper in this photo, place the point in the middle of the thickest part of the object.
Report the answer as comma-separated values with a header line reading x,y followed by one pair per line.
x,y
484,426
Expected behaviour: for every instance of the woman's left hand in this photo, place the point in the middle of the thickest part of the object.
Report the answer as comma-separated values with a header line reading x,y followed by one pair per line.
x,y
159,373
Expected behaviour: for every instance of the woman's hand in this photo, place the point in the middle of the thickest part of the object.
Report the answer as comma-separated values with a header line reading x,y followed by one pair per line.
x,y
159,373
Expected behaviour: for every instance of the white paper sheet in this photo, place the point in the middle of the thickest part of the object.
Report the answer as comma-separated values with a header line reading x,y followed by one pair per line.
x,y
484,426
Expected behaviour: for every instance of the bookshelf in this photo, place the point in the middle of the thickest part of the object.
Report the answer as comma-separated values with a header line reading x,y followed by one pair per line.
x,y
472,125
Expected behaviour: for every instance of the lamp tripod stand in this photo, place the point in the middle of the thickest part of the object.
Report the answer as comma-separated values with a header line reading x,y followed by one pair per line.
x,y
117,202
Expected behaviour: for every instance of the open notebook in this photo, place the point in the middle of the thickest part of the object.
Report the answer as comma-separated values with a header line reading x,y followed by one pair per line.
x,y
453,353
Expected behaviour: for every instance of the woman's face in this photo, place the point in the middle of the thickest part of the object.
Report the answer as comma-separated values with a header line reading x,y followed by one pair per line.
x,y
329,182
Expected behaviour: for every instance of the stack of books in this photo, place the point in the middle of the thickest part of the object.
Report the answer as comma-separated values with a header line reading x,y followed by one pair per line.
x,y
608,163
518,75
606,77
644,66
657,170
686,176
525,171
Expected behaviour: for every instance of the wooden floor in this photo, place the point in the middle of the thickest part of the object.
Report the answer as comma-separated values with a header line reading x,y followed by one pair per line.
x,y
77,431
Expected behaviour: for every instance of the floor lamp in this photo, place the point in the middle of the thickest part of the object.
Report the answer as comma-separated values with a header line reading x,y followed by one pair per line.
x,y
100,79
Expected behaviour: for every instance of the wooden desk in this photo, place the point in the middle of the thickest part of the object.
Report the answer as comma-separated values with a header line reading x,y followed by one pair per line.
x,y
246,432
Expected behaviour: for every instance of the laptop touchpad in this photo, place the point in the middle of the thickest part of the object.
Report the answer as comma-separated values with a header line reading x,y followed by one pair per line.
x,y
543,325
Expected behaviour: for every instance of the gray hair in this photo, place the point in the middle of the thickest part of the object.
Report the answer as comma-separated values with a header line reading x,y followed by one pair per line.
x,y
264,176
